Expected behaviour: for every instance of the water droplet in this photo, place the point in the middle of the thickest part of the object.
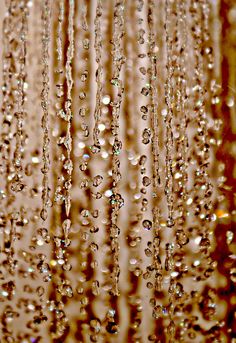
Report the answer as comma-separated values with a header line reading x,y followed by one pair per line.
x,y
96,325
17,185
95,288
146,136
112,327
44,214
86,43
117,146
145,91
144,109
116,200
95,149
182,238
146,181
147,224
106,99
97,180
68,166
142,70
84,76
114,231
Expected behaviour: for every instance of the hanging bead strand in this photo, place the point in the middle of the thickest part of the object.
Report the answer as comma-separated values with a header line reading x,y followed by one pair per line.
x,y
99,73
202,182
59,80
17,183
170,15
116,199
155,146
169,117
68,165
133,207
181,172
45,106
7,100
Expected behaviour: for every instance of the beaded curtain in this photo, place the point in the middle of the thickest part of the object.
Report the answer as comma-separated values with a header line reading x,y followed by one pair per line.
x,y
117,171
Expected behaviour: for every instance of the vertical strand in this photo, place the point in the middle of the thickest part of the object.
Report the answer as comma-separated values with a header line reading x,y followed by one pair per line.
x,y
64,86
202,182
169,99
68,164
99,73
97,179
17,183
86,286
155,146
59,76
182,116
45,106
110,310
156,178
7,98
116,199
89,288
59,288
180,168
7,246
8,65
146,157
181,172
134,213
40,237
169,116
